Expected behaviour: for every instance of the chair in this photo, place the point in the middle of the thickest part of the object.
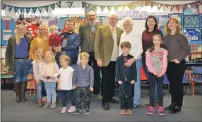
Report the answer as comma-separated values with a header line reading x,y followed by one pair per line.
x,y
196,77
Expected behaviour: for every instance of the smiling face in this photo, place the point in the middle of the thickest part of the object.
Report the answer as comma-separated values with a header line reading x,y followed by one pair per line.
x,y
157,40
113,19
127,26
49,56
70,25
172,25
21,29
125,51
151,23
43,30
91,17
39,53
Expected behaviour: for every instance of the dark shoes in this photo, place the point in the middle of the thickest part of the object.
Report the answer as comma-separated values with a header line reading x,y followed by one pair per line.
x,y
170,107
114,101
105,106
175,109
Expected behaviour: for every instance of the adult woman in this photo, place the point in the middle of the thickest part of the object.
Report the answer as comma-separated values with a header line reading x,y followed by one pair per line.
x,y
17,54
40,42
134,37
178,48
151,28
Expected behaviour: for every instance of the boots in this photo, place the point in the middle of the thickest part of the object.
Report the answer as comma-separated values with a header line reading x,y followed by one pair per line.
x,y
17,91
22,91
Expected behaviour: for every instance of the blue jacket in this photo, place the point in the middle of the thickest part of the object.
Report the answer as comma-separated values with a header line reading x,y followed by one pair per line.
x,y
71,46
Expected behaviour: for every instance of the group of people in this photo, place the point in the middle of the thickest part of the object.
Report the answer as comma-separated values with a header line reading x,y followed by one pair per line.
x,y
117,54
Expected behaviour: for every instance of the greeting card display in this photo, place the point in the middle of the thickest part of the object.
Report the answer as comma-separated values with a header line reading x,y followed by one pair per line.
x,y
191,21
192,34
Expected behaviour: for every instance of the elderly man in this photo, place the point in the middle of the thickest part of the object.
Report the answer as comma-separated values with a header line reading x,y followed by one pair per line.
x,y
106,52
87,35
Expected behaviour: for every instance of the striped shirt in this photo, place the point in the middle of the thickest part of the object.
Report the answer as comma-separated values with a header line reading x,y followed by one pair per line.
x,y
83,77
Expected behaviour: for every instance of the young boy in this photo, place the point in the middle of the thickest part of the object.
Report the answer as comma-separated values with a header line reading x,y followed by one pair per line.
x,y
55,41
83,81
126,77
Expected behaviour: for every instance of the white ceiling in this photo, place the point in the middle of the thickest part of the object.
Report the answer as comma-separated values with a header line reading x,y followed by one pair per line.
x,y
30,3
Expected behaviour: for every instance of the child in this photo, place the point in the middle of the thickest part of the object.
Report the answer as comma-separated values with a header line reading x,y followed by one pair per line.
x,y
38,65
50,74
55,41
65,83
83,81
156,61
126,77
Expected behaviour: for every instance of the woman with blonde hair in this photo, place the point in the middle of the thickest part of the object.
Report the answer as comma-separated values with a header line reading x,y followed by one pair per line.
x,y
178,48
17,58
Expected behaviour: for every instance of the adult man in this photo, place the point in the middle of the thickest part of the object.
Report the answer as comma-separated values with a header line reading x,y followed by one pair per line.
x,y
87,34
106,52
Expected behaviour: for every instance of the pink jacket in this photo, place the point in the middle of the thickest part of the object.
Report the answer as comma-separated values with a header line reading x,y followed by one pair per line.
x,y
163,62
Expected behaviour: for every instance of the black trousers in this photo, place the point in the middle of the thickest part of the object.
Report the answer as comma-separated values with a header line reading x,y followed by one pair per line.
x,y
93,63
175,73
126,93
82,95
108,81
43,90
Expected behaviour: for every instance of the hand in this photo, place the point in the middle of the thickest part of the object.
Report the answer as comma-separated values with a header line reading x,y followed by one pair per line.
x,y
130,62
57,49
52,77
58,87
132,81
99,62
120,82
155,73
91,89
176,61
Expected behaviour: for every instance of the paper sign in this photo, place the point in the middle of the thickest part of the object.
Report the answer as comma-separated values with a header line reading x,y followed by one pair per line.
x,y
6,37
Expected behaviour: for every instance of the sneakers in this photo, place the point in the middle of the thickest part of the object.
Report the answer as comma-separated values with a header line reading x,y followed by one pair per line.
x,y
53,105
161,111
87,111
123,112
71,109
77,111
136,106
150,110
47,105
63,110
129,111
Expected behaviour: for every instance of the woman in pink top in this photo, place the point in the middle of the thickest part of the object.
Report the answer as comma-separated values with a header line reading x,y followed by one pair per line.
x,y
156,61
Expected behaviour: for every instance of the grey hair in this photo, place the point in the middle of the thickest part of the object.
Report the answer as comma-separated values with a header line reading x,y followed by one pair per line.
x,y
128,19
113,14
91,12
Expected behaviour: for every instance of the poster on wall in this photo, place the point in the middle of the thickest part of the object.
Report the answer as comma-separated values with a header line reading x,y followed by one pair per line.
x,y
135,15
191,21
177,16
192,34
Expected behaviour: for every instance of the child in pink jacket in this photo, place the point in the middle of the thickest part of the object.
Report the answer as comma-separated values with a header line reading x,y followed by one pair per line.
x,y
156,61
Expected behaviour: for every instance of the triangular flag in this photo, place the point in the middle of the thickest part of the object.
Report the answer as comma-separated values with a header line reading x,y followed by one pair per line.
x,y
130,6
171,8
21,10
184,6
146,3
152,4
116,8
58,4
34,10
27,10
178,7
46,8
84,4
159,6
10,8
109,8
102,8
69,4
3,7
52,6
16,9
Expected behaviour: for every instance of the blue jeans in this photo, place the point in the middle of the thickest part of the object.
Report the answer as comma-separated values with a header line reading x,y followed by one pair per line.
x,y
50,91
21,70
39,91
137,85
63,95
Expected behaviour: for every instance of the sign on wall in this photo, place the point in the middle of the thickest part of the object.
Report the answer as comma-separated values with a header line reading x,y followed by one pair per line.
x,y
135,15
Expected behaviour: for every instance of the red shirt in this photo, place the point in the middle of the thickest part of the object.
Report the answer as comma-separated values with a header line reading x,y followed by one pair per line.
x,y
55,40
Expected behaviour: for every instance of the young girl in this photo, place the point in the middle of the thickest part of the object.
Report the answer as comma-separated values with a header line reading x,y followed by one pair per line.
x,y
65,83
38,65
156,61
50,74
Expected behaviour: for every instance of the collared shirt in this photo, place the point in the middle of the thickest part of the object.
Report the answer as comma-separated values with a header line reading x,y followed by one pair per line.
x,y
92,27
83,77
115,46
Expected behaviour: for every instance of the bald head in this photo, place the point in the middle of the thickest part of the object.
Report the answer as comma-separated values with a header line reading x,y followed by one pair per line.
x,y
91,16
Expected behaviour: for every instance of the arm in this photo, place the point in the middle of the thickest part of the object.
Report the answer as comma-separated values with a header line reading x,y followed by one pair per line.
x,y
35,70
33,48
56,71
97,45
8,53
118,69
91,77
165,62
74,46
185,48
74,78
148,63
81,33
139,47
134,72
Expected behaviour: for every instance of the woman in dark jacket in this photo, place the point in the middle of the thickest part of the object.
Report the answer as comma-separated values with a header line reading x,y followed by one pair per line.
x,y
17,58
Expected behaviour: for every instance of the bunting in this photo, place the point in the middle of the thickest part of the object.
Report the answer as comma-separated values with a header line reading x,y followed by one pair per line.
x,y
69,4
